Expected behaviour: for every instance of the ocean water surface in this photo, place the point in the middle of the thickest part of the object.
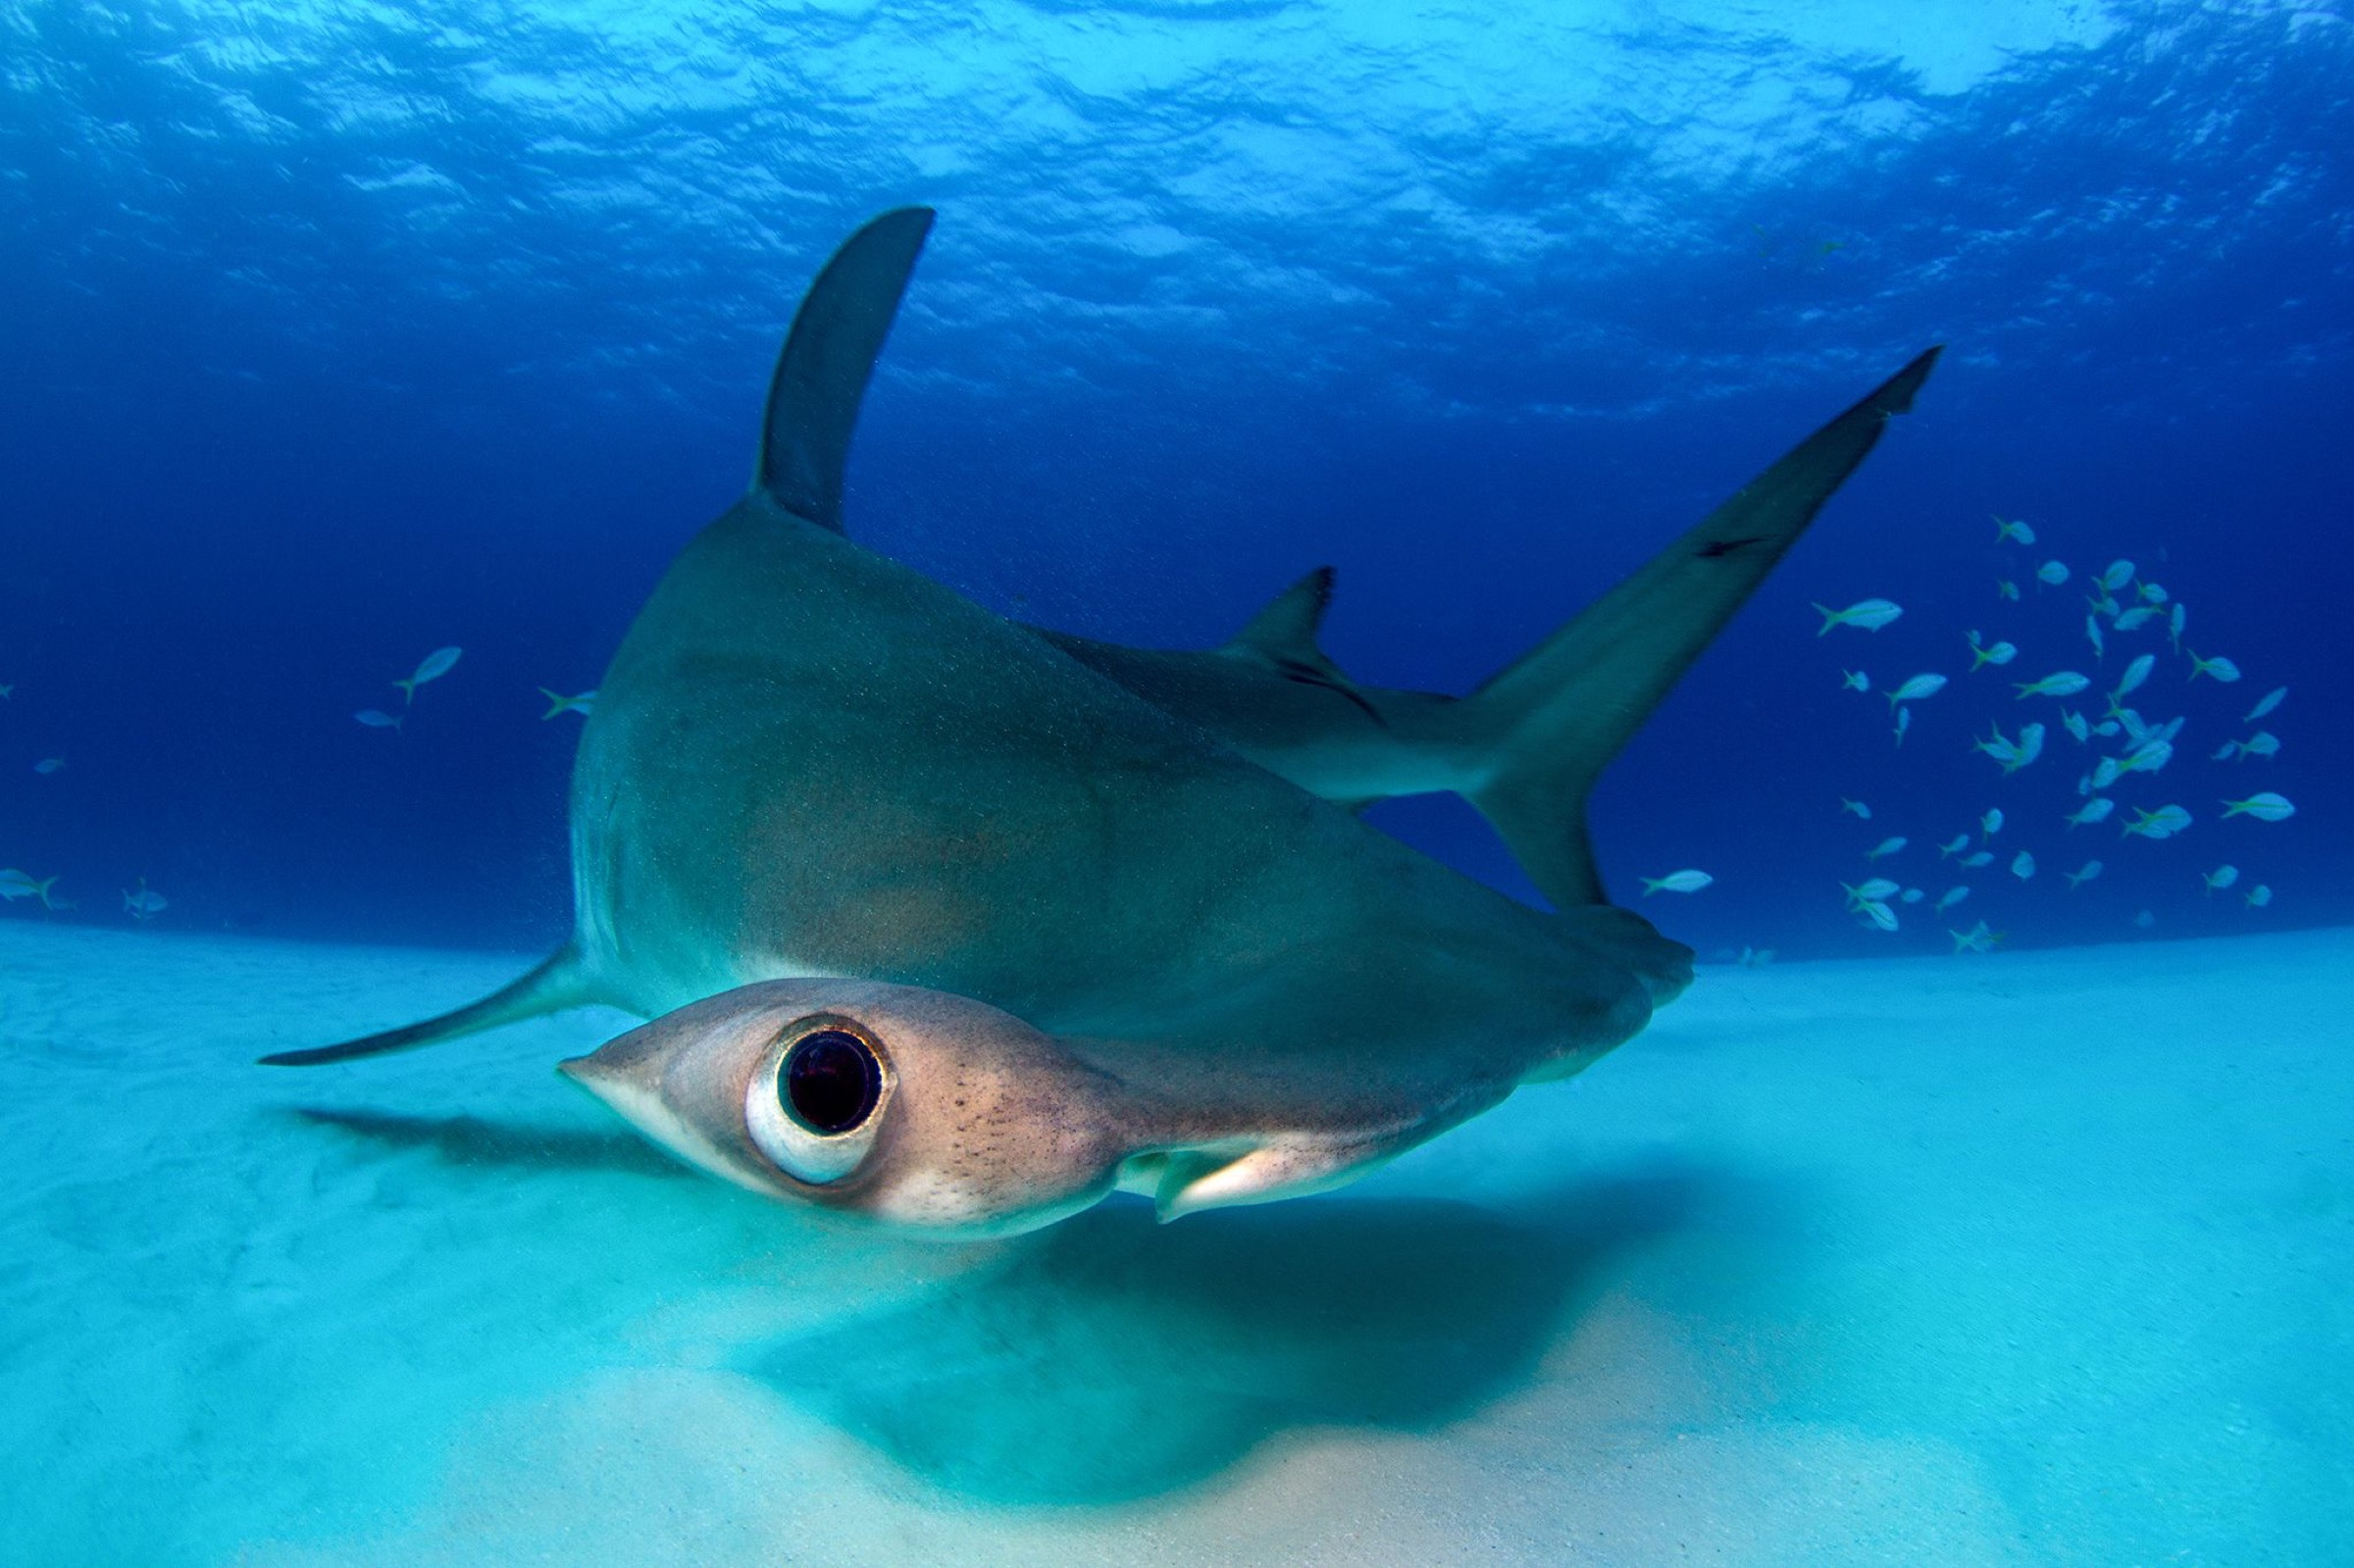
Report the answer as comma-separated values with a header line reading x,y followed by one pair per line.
x,y
2003,1226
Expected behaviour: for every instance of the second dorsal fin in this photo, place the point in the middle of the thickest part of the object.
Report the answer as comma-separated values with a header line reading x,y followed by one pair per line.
x,y
1285,632
821,375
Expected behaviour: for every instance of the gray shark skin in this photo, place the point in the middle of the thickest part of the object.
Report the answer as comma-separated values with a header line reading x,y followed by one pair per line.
x,y
1046,937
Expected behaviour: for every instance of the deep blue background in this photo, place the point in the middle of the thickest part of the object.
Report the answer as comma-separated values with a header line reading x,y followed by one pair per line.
x,y
333,337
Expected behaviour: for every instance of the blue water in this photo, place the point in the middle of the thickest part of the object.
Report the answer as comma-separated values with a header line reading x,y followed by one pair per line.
x,y
336,335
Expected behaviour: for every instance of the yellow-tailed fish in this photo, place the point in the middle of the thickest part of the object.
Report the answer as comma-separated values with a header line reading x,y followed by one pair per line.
x,y
2164,823
2082,874
2258,896
2264,806
1981,655
16,884
1886,846
2266,704
1854,680
558,703
2058,684
1869,614
1854,808
2096,809
2135,674
1676,881
2013,531
2220,877
2120,574
1915,688
378,719
433,667
2219,667
1950,897
2051,572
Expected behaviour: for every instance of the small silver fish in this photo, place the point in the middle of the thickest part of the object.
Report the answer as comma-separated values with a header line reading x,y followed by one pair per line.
x,y
2023,865
2266,704
2120,574
2082,874
2264,806
2220,877
2135,674
1982,857
378,719
2263,743
2013,531
1950,897
48,766
2136,619
1992,823
2051,572
1676,881
1960,843
1854,680
2092,634
1886,846
2258,896
1854,808
144,904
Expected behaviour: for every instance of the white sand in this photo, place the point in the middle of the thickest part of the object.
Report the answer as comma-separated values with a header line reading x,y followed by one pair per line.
x,y
2040,1258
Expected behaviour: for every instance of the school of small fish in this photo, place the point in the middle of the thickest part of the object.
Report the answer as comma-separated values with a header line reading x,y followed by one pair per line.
x,y
142,903
2123,750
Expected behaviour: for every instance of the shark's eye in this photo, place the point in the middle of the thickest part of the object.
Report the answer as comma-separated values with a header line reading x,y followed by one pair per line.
x,y
814,1105
831,1082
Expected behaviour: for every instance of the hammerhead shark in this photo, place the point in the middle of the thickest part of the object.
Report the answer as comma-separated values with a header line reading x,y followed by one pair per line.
x,y
958,925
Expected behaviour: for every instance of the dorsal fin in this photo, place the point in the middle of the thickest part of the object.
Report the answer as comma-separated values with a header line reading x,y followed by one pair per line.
x,y
1286,630
821,375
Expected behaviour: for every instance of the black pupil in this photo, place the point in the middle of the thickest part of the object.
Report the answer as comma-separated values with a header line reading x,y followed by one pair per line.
x,y
832,1082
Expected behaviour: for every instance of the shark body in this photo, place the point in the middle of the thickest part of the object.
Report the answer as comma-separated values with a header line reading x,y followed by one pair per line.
x,y
1017,918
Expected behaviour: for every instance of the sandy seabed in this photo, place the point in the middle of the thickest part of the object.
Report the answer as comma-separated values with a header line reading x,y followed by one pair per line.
x,y
2035,1258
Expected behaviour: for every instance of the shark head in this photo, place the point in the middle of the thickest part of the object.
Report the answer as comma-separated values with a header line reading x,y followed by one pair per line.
x,y
927,1111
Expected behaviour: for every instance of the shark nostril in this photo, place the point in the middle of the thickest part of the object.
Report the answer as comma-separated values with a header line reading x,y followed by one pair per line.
x,y
831,1082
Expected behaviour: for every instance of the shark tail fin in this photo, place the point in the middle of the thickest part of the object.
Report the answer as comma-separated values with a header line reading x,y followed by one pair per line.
x,y
558,982
829,355
1551,723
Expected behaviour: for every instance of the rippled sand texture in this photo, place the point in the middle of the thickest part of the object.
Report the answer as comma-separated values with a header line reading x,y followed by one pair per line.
x,y
2037,1258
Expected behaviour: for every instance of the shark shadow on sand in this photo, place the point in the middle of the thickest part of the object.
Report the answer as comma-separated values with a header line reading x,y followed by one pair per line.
x,y
1115,1359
